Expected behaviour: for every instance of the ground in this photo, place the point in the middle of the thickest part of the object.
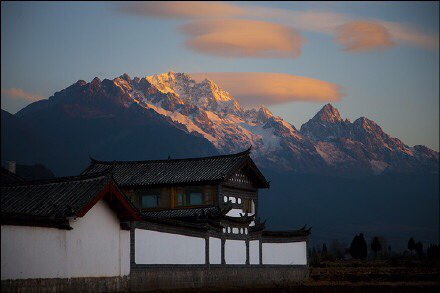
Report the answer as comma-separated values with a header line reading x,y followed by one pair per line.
x,y
356,276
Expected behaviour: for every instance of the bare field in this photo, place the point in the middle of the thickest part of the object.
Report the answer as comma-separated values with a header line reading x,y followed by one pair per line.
x,y
353,277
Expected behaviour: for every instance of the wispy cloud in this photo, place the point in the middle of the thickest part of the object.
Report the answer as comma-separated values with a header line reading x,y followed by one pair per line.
x,y
181,9
255,88
360,36
243,38
21,94
331,23
407,34
14,99
353,33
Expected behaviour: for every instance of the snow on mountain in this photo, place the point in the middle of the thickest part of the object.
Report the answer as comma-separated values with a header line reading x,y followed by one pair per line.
x,y
206,94
206,109
325,144
364,142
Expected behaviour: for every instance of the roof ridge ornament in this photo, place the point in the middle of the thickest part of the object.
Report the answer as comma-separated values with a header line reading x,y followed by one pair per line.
x,y
93,160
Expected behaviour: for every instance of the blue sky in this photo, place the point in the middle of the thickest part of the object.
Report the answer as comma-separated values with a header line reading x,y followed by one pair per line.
x,y
381,59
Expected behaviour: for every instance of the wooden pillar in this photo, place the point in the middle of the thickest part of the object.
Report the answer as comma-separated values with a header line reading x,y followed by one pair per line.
x,y
247,252
207,250
261,251
173,197
223,250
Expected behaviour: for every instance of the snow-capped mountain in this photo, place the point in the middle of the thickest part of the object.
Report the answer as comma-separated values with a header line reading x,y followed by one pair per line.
x,y
326,144
363,142
205,109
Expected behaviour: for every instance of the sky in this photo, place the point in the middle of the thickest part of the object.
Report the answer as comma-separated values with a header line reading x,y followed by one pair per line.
x,y
374,59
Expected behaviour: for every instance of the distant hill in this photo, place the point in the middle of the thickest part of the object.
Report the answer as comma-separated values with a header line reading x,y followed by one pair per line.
x,y
33,172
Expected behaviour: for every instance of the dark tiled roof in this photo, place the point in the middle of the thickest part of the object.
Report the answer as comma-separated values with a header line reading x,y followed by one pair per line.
x,y
180,213
9,177
59,198
176,171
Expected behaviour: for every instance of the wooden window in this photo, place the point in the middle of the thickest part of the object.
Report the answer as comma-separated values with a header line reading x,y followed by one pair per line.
x,y
208,195
247,205
150,201
194,196
180,197
154,198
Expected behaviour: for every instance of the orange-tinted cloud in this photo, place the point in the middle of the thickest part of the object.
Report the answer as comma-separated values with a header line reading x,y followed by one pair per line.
x,y
14,99
182,9
243,38
404,33
361,35
379,32
328,22
254,88
21,94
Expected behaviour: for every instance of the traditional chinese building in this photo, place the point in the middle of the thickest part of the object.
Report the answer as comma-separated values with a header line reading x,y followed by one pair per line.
x,y
195,219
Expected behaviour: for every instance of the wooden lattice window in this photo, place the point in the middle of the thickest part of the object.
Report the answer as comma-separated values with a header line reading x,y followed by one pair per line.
x,y
194,196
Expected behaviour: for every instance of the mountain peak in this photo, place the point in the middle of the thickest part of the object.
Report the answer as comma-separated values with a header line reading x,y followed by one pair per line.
x,y
80,83
364,121
96,80
367,124
328,113
263,109
264,113
125,77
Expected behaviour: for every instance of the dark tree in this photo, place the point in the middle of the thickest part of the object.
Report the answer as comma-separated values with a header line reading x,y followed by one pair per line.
x,y
315,259
358,247
324,248
363,248
419,249
354,247
375,246
411,245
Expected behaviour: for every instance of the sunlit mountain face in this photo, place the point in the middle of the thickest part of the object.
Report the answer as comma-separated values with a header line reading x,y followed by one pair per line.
x,y
326,144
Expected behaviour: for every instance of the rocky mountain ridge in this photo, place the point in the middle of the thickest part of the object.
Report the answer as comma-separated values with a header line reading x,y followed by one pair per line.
x,y
325,144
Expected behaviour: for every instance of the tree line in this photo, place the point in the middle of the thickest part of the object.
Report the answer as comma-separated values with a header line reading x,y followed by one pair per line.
x,y
359,248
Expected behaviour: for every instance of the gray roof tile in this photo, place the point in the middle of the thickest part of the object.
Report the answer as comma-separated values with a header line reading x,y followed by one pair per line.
x,y
175,171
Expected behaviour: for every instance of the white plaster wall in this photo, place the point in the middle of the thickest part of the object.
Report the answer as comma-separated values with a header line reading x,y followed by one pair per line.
x,y
215,250
96,247
292,253
124,249
235,252
235,213
93,244
152,247
33,252
254,252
